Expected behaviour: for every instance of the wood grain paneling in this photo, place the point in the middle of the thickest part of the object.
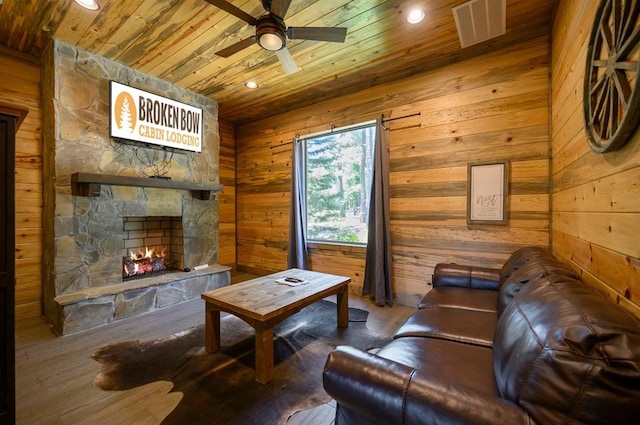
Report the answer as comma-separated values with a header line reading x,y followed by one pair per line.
x,y
596,197
227,198
490,109
20,86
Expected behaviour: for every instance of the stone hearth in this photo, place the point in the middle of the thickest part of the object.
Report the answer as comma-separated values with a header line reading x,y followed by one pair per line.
x,y
84,236
92,307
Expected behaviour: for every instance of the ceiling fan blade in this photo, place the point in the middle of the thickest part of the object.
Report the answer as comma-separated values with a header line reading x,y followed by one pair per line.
x,y
286,60
280,7
337,35
235,48
238,13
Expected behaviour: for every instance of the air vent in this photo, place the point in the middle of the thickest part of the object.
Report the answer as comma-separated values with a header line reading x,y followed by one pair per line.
x,y
480,20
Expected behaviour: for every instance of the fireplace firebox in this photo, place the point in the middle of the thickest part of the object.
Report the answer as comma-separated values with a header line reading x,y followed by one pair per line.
x,y
151,246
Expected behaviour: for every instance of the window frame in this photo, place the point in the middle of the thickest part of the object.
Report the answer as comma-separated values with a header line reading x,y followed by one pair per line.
x,y
333,131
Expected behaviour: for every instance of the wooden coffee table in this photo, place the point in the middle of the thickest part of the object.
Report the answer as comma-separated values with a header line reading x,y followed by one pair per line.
x,y
263,303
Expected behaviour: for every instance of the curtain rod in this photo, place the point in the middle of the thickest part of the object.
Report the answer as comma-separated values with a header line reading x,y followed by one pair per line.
x,y
365,124
400,118
385,120
333,130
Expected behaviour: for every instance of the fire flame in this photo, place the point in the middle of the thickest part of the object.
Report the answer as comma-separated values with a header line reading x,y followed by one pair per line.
x,y
148,253
139,265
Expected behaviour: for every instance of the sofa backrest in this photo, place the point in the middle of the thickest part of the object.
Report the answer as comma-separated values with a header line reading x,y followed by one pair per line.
x,y
566,354
519,258
451,274
455,275
534,269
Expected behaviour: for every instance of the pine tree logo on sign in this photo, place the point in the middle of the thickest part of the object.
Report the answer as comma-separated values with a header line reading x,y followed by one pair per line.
x,y
125,112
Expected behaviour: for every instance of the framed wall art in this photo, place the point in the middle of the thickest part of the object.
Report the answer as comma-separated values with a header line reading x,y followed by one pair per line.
x,y
488,193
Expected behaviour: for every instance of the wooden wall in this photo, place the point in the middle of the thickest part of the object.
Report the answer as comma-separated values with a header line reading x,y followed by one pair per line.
x,y
20,85
596,197
491,108
227,198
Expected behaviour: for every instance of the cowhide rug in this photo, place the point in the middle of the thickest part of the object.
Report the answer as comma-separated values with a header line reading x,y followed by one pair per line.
x,y
220,388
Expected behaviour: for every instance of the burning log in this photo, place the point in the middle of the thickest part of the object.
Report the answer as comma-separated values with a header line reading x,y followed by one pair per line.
x,y
136,265
157,264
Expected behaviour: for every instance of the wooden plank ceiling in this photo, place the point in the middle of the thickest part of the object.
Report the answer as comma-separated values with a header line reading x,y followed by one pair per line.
x,y
176,40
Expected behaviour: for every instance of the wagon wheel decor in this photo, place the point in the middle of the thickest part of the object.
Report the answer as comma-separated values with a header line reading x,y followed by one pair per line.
x,y
611,92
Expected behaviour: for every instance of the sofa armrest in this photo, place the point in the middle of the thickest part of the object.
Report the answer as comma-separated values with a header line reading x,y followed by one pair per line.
x,y
451,274
384,392
372,386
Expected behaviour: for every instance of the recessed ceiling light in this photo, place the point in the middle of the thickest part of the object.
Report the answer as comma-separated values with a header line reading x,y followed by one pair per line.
x,y
251,84
415,16
88,4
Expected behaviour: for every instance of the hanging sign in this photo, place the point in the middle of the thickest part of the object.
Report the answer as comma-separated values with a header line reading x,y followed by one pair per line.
x,y
147,118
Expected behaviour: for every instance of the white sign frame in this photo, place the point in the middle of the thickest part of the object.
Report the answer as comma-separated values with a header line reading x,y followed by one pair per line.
x,y
147,118
488,193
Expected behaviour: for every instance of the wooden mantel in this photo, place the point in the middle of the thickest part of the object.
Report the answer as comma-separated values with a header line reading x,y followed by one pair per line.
x,y
89,184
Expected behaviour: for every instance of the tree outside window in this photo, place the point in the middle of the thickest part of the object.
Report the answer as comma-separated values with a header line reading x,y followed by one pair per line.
x,y
339,168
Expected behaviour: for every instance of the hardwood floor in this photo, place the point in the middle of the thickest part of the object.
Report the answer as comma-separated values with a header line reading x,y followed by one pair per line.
x,y
54,375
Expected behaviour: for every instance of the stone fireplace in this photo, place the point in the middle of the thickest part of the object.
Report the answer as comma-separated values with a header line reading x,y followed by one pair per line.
x,y
90,227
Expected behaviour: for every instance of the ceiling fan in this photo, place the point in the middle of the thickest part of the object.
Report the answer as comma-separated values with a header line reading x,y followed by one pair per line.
x,y
272,33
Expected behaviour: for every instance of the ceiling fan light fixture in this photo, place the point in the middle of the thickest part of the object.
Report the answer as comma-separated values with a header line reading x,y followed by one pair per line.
x,y
271,41
270,33
416,16
88,4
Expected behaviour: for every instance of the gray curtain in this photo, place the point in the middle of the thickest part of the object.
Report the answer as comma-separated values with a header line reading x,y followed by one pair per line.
x,y
297,256
377,274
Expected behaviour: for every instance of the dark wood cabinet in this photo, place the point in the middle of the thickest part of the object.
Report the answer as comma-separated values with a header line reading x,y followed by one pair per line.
x,y
7,272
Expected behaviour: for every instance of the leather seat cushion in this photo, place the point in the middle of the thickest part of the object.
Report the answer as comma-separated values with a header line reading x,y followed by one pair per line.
x,y
461,325
452,363
462,298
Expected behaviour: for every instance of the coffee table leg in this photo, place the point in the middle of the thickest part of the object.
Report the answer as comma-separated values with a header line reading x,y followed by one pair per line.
x,y
212,328
343,307
264,354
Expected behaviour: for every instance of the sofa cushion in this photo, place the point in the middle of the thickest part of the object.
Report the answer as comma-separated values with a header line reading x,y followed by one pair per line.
x,y
534,269
462,298
566,354
447,361
461,325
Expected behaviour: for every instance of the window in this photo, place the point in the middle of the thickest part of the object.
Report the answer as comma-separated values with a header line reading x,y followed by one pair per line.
x,y
338,175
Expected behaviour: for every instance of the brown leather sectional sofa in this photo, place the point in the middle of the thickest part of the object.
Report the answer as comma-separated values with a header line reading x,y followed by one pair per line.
x,y
527,344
